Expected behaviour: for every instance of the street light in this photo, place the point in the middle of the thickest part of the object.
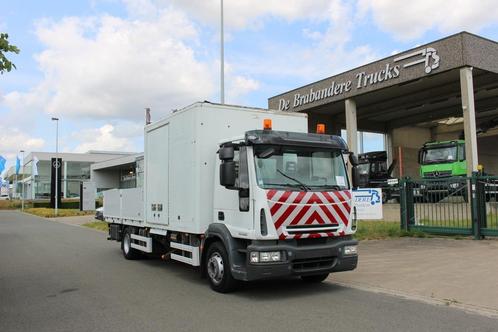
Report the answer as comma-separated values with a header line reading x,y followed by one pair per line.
x,y
22,181
56,164
222,57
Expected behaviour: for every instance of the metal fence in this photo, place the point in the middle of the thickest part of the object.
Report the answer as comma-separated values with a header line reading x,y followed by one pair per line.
x,y
451,206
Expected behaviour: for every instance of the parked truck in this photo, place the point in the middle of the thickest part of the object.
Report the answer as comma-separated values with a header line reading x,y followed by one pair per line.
x,y
373,172
444,168
241,193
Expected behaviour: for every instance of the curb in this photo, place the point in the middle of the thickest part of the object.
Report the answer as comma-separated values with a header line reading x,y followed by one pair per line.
x,y
452,303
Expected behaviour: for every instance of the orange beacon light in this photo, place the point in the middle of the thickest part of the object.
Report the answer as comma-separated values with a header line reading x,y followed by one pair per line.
x,y
267,124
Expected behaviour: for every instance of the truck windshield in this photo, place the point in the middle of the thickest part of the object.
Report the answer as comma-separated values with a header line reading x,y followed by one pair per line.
x,y
434,155
300,168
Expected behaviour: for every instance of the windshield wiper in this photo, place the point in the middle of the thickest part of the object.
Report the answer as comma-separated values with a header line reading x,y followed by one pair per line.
x,y
303,186
331,186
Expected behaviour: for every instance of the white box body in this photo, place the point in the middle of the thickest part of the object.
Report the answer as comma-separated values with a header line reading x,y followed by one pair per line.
x,y
124,204
180,158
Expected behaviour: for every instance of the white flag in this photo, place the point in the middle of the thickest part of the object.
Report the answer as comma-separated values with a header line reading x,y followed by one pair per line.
x,y
35,166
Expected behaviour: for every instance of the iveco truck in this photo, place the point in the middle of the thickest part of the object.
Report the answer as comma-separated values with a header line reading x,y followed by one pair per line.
x,y
241,193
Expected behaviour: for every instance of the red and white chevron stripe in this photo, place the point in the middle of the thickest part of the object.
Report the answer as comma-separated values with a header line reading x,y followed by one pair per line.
x,y
326,213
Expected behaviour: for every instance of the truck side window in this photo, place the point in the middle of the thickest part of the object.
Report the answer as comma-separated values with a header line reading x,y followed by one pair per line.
x,y
243,180
461,152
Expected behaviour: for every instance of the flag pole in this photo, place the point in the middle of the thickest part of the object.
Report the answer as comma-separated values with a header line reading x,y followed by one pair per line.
x,y
22,181
222,59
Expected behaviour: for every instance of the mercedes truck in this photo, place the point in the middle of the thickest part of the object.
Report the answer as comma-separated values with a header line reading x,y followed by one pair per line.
x,y
444,168
241,193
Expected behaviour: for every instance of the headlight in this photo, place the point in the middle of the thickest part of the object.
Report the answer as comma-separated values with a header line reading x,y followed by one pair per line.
x,y
350,250
254,257
265,256
275,256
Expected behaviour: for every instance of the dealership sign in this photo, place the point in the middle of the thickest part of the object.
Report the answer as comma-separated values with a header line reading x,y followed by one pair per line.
x,y
391,71
368,203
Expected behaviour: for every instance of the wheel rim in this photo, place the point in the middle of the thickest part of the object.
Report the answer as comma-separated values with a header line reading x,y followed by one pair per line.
x,y
215,268
126,243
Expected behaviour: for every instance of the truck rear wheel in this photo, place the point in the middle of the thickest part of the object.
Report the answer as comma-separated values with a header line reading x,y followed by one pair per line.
x,y
128,251
315,278
218,269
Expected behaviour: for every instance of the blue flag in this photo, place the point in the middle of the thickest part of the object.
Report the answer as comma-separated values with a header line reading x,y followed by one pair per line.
x,y
18,165
2,164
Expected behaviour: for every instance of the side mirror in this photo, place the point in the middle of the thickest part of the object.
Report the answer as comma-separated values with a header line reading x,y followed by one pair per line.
x,y
227,173
226,153
356,177
353,159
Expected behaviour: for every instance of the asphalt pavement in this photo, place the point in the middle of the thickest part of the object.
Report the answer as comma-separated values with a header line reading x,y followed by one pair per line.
x,y
59,277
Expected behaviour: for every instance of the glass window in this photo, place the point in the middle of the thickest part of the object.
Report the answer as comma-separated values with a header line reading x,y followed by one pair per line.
x,y
301,168
434,155
461,152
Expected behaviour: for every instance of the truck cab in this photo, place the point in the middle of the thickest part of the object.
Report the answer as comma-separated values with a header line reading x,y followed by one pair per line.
x,y
442,159
284,201
373,172
444,168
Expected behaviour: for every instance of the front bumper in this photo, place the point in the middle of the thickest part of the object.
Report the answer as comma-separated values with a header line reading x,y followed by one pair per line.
x,y
301,259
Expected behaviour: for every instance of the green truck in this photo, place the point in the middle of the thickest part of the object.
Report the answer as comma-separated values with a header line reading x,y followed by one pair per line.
x,y
444,169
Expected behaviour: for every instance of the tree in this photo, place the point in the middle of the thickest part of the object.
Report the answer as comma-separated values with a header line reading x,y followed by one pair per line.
x,y
5,64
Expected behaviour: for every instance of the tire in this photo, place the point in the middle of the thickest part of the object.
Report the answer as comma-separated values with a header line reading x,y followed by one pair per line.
x,y
128,251
315,278
218,269
385,197
431,198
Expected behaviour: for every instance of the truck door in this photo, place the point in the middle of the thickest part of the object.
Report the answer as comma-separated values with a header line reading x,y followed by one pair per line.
x,y
157,176
233,206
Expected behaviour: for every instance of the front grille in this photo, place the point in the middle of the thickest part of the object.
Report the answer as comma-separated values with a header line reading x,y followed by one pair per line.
x,y
311,264
437,174
311,229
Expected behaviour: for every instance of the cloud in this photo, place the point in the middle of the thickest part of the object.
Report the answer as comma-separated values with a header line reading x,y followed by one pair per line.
x,y
327,49
240,85
242,14
103,139
108,67
12,140
407,20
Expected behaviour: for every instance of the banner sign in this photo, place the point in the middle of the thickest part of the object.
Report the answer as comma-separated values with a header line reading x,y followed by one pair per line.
x,y
55,165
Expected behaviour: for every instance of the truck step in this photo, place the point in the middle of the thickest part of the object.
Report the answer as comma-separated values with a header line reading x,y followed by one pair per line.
x,y
144,243
193,260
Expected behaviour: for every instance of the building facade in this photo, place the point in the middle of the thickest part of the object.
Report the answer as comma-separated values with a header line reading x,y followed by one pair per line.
x,y
75,168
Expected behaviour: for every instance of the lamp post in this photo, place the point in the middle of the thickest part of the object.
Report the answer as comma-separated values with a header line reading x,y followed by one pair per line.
x,y
222,59
22,180
56,164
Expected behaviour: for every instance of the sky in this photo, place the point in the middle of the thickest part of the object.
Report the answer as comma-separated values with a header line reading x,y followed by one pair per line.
x,y
97,64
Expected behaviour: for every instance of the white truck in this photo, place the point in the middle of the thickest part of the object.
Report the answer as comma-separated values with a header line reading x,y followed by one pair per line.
x,y
241,203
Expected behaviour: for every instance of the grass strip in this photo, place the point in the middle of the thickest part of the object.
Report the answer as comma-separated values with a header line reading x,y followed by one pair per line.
x,y
50,213
97,224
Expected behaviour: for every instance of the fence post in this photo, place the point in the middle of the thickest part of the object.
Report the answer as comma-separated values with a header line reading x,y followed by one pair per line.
x,y
410,203
402,205
406,203
474,204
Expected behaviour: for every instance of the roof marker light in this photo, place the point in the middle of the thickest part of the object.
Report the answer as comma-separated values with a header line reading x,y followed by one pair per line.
x,y
267,124
320,128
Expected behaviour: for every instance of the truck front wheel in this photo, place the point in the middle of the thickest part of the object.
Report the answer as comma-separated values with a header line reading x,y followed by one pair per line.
x,y
128,251
218,269
315,278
